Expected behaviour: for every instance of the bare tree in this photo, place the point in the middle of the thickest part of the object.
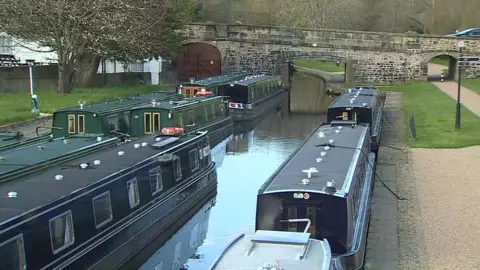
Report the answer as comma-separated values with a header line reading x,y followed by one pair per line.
x,y
82,32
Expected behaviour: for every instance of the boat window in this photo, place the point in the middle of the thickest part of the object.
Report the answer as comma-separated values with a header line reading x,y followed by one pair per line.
x,y
311,215
222,109
194,160
180,120
156,181
81,124
264,89
156,122
195,91
13,254
177,169
102,208
127,118
214,113
206,113
71,123
191,116
62,234
147,123
133,195
292,214
187,92
252,92
112,122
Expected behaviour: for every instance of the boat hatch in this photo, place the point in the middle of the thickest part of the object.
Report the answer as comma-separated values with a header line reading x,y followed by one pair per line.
x,y
164,141
281,237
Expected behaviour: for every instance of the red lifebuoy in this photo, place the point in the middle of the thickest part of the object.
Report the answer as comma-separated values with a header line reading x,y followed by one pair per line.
x,y
172,131
206,93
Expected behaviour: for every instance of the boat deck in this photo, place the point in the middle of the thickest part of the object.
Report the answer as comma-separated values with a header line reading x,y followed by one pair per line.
x,y
343,101
34,153
42,188
334,165
286,255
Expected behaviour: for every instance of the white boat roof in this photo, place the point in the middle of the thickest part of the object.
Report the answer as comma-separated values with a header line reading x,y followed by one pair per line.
x,y
274,250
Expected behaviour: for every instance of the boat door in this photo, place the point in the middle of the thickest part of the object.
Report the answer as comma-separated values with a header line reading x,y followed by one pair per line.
x,y
348,115
151,123
296,210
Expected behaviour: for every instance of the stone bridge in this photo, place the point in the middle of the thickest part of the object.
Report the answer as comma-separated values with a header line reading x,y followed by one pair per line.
x,y
368,56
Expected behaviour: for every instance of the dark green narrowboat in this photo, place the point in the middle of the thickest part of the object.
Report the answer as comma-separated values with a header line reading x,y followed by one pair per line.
x,y
105,118
201,113
10,140
253,96
191,88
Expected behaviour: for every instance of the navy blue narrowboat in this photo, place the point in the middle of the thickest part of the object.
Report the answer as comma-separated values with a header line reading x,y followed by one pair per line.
x,y
361,104
329,181
253,96
94,207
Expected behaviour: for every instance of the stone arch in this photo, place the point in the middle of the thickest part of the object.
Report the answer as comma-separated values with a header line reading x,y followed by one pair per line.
x,y
198,59
433,71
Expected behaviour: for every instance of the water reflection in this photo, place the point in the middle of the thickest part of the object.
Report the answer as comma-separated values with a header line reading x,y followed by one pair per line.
x,y
183,244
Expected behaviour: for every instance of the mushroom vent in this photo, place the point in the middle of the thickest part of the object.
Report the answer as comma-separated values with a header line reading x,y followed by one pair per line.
x,y
330,187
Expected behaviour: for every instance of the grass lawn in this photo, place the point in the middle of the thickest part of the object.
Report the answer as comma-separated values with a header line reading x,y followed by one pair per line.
x,y
441,60
472,84
320,64
434,113
15,107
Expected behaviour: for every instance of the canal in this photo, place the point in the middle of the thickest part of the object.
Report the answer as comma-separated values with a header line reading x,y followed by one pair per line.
x,y
245,161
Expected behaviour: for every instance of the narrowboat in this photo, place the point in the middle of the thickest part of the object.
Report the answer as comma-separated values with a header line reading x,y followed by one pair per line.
x,y
202,113
98,210
175,252
271,250
108,118
211,84
10,140
361,104
328,180
253,96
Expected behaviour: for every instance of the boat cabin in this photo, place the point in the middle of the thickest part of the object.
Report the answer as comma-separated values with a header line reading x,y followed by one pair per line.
x,y
191,88
250,90
361,104
327,180
104,118
198,111
52,217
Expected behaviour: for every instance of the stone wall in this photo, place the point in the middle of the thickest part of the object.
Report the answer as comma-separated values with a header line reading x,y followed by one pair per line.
x,y
45,77
370,56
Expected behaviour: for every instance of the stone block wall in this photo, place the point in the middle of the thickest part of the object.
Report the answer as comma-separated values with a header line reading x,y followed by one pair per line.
x,y
374,57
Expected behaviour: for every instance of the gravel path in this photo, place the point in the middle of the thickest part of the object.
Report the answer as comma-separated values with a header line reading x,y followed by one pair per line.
x,y
449,202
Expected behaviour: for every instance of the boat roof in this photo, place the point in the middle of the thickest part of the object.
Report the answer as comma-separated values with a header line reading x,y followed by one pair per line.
x,y
116,104
216,79
249,80
333,163
42,188
364,97
169,105
289,250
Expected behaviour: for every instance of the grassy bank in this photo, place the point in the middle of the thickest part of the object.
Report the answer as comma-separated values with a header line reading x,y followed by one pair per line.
x,y
472,84
441,60
15,107
320,65
434,113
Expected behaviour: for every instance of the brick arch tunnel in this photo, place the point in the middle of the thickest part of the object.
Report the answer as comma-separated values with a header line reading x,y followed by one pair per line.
x,y
198,60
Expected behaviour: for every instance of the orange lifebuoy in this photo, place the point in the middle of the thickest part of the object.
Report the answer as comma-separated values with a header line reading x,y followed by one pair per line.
x,y
172,131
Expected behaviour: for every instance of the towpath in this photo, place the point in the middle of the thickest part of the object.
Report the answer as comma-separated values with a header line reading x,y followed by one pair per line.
x,y
469,98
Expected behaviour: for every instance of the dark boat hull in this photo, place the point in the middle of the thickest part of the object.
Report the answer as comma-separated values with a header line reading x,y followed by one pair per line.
x,y
116,249
272,101
219,131
377,132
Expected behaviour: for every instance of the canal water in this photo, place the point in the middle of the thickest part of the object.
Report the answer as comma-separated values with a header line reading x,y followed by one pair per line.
x,y
245,161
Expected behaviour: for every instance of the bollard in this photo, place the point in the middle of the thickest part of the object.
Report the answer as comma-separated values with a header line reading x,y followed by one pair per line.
x,y
338,63
441,76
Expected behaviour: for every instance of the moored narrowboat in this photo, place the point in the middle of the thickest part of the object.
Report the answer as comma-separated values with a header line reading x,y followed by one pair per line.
x,y
201,113
108,118
97,210
361,104
328,180
253,96
271,250
211,84
10,140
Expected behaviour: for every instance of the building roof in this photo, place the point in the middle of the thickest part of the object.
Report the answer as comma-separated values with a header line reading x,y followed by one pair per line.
x,y
42,188
334,165
117,104
22,157
221,79
254,79
364,97
169,105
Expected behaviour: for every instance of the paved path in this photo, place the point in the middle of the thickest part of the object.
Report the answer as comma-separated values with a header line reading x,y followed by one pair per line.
x,y
435,69
468,98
